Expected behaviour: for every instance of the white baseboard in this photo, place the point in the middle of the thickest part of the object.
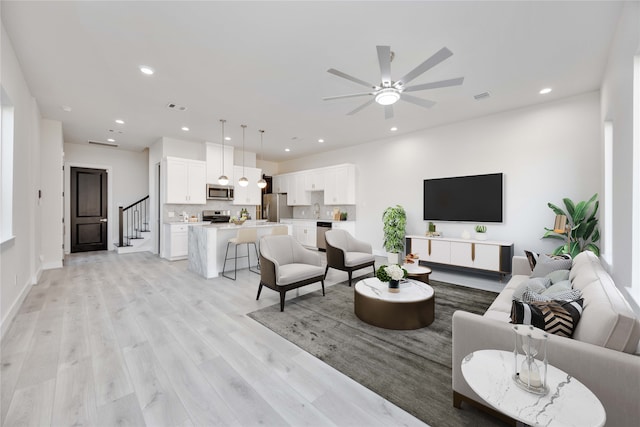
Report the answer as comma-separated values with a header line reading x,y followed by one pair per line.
x,y
13,311
52,265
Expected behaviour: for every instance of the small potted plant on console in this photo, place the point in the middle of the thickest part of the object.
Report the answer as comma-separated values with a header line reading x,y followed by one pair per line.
x,y
481,232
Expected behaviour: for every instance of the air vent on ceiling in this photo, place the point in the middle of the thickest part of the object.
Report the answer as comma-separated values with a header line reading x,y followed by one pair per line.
x,y
108,144
173,106
480,96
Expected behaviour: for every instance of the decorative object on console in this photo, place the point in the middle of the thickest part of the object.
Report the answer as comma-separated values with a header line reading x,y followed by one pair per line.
x,y
432,227
391,274
481,231
578,226
409,258
394,221
531,341
222,179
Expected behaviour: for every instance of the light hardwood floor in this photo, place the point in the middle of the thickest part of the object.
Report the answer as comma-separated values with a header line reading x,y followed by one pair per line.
x,y
135,340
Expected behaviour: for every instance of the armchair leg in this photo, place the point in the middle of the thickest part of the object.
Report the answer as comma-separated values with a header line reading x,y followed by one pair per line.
x,y
259,290
322,282
349,272
326,270
282,300
374,270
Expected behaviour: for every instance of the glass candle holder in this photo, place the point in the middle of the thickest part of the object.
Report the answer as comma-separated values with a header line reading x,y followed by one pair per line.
x,y
530,374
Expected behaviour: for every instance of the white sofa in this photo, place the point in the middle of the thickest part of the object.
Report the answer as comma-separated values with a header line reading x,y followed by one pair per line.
x,y
603,353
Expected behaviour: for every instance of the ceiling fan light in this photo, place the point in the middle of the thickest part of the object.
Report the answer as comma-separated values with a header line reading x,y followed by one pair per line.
x,y
223,180
262,183
387,96
243,182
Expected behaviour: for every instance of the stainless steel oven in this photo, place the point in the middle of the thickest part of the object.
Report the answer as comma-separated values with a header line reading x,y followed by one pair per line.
x,y
219,192
321,228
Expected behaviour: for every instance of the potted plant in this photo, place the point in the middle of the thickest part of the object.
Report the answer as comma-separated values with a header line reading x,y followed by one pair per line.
x,y
480,232
394,220
392,275
581,232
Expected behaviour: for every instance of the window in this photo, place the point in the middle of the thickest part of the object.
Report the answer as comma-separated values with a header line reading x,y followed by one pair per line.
x,y
6,163
607,245
635,226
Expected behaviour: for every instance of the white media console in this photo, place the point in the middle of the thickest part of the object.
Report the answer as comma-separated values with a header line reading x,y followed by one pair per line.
x,y
485,255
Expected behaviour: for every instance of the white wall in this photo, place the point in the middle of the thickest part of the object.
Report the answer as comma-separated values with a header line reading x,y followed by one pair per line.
x,y
128,179
19,258
546,152
617,107
52,210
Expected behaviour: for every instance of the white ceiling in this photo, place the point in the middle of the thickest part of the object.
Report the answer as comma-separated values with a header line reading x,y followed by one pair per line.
x,y
265,64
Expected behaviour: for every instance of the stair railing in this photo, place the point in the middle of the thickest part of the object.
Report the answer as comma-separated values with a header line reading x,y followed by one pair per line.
x,y
133,220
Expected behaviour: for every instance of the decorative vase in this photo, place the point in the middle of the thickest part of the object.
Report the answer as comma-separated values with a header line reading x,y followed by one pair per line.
x,y
394,286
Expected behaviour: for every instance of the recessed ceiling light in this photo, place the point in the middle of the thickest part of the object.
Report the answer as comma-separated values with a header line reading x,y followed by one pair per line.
x,y
66,108
227,138
321,140
145,69
111,140
393,129
287,149
545,91
184,128
120,121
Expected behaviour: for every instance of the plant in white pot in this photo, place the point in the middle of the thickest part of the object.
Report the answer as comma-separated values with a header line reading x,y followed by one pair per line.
x,y
481,231
394,220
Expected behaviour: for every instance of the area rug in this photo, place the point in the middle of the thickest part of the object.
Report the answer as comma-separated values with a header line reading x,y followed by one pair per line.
x,y
412,369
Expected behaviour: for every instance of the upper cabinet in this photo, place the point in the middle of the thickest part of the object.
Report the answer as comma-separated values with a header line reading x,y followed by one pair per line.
x,y
340,185
251,194
185,181
214,163
297,195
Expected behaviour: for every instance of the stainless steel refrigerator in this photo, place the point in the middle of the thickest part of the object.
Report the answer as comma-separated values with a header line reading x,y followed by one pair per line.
x,y
274,207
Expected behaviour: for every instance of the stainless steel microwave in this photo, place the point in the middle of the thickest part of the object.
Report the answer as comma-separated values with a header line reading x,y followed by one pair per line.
x,y
219,192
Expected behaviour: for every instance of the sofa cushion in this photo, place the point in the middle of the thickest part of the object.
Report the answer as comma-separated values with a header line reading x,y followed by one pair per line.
x,y
503,300
558,276
556,317
352,259
292,273
566,295
546,264
564,285
536,284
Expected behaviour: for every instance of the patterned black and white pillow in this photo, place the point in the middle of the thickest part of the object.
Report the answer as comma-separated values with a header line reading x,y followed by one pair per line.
x,y
567,295
534,257
549,263
556,317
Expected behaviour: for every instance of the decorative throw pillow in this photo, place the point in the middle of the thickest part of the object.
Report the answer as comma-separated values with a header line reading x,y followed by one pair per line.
x,y
566,295
563,285
537,285
546,264
556,317
558,276
533,259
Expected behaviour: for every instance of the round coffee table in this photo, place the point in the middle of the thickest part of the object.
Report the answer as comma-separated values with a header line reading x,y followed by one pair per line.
x,y
411,308
417,271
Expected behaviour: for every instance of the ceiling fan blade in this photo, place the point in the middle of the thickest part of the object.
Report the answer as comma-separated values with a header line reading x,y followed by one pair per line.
x,y
363,106
435,59
418,101
348,77
434,85
346,96
388,111
384,59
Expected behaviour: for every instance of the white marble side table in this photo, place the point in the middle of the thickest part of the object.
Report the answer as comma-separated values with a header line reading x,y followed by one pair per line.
x,y
568,403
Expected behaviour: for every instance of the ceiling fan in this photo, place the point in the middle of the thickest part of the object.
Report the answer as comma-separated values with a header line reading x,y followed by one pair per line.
x,y
388,92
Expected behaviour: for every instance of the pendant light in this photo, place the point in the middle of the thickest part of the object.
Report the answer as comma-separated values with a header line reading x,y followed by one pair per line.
x,y
222,179
261,182
243,182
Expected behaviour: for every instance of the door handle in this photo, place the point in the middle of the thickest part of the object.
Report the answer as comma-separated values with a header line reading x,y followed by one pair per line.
x,y
103,219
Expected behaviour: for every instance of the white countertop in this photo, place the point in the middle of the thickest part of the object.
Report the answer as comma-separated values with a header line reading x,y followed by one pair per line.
x,y
187,223
312,220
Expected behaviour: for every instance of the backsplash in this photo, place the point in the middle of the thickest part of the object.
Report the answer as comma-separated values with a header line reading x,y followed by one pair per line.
x,y
214,205
326,211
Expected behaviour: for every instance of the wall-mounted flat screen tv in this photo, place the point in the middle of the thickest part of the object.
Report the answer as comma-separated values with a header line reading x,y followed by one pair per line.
x,y
475,198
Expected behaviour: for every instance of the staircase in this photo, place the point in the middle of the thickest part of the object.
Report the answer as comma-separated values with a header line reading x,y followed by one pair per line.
x,y
133,233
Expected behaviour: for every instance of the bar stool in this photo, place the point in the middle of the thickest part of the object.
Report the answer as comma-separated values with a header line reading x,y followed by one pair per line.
x,y
247,236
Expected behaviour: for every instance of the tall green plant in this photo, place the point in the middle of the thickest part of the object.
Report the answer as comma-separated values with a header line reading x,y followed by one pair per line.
x,y
394,221
582,227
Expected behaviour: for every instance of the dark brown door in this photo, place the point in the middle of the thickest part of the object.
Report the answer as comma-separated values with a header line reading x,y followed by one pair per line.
x,y
88,209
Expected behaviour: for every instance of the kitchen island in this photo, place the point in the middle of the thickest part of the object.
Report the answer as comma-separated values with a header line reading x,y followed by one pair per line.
x,y
208,245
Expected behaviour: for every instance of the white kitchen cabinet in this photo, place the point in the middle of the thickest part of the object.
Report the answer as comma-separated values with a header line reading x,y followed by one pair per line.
x,y
340,185
280,184
215,166
251,194
297,195
185,181
176,241
348,226
314,179
305,233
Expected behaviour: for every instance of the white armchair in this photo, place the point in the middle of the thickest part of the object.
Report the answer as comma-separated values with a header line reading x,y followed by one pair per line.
x,y
346,253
